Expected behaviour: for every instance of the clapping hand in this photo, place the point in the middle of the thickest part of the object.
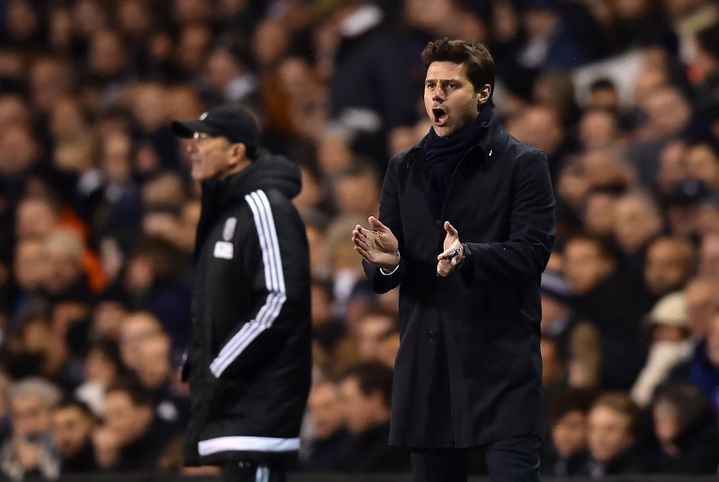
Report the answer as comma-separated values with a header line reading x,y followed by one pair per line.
x,y
377,245
453,252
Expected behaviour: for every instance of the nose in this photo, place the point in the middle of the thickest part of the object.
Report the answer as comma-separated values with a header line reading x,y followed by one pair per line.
x,y
438,95
191,147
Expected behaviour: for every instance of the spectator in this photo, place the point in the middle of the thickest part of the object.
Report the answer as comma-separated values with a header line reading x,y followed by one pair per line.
x,y
64,275
102,369
372,327
637,221
670,346
702,367
668,265
136,327
567,413
684,426
134,434
591,272
702,297
599,213
72,425
155,374
702,162
329,435
31,451
365,393
613,431
368,50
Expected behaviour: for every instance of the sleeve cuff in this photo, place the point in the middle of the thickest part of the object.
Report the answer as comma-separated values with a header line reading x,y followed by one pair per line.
x,y
393,270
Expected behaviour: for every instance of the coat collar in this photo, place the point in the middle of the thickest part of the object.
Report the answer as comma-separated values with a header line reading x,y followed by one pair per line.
x,y
489,146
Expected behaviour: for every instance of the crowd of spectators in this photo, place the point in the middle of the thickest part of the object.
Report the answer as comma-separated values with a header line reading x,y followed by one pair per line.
x,y
97,215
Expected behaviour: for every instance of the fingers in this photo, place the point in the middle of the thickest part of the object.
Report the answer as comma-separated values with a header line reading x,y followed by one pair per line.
x,y
448,254
450,229
360,242
360,233
363,252
376,224
444,268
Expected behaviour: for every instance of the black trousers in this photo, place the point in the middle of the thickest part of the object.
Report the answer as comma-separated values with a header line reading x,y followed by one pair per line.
x,y
252,472
509,460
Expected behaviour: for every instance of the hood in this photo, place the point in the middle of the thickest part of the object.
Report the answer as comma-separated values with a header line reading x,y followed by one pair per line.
x,y
268,172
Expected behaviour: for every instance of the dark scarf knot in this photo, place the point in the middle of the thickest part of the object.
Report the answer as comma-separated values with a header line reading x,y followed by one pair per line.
x,y
442,154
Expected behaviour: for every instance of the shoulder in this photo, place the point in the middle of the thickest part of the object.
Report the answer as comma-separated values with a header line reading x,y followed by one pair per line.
x,y
271,206
522,152
407,155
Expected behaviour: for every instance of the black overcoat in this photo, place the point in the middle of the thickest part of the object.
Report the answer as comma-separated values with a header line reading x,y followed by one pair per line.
x,y
468,370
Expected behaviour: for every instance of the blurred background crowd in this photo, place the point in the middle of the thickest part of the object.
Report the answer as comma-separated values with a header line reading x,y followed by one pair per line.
x,y
97,215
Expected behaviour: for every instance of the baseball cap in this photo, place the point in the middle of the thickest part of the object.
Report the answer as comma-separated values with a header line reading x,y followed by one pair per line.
x,y
232,122
671,310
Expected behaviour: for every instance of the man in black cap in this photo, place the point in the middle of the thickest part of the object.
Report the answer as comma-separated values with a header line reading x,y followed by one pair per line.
x,y
249,359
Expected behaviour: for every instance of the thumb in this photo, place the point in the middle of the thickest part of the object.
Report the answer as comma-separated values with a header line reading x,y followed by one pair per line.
x,y
450,229
375,223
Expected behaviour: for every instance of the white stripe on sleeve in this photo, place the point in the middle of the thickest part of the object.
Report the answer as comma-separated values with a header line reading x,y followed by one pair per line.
x,y
274,281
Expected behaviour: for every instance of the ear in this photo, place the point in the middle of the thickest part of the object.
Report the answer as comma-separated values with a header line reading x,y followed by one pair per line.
x,y
483,95
238,153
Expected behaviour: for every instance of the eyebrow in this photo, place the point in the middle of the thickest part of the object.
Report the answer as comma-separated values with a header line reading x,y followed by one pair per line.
x,y
442,80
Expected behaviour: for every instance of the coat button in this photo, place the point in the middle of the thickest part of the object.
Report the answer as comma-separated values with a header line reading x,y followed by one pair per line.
x,y
432,335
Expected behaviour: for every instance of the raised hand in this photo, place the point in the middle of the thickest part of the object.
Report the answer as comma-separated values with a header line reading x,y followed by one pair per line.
x,y
453,252
377,245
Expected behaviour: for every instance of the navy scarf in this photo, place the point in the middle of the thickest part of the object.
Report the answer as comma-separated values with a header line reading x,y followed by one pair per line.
x,y
442,154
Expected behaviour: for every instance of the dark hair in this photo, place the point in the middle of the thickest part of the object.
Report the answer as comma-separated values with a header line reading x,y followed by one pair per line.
x,y
83,407
360,170
604,249
475,56
372,377
602,83
704,141
137,393
569,400
689,403
622,403
380,312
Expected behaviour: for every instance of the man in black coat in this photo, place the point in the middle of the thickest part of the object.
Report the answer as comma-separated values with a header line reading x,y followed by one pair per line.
x,y
465,228
249,359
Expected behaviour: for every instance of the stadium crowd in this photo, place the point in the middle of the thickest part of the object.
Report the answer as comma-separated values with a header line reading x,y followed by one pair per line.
x,y
97,215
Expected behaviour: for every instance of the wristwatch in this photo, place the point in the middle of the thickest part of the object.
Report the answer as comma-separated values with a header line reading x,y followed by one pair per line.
x,y
466,253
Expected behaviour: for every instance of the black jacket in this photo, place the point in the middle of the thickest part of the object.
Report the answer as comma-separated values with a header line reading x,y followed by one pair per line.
x,y
249,358
468,370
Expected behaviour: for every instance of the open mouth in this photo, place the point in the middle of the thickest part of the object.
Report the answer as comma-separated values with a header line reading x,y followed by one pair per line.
x,y
440,115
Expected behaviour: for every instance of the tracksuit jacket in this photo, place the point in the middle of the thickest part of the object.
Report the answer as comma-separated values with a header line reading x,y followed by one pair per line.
x,y
249,359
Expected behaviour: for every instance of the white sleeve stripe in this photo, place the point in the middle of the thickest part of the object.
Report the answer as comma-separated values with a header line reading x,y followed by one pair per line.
x,y
270,233
239,335
247,334
221,363
273,237
274,281
259,319
267,312
264,243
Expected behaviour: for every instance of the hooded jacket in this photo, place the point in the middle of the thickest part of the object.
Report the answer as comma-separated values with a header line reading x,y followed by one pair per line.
x,y
249,358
